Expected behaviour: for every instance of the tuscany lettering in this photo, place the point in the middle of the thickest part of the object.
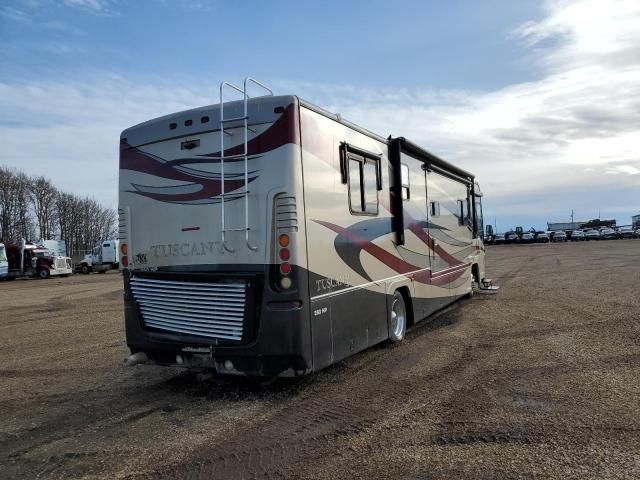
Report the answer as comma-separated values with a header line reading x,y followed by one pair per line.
x,y
183,249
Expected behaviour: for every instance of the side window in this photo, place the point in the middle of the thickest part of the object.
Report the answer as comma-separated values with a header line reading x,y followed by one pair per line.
x,y
355,190
404,175
363,185
434,209
370,184
463,213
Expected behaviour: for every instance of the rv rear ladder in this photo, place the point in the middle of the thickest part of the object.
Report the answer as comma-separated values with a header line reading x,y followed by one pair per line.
x,y
245,156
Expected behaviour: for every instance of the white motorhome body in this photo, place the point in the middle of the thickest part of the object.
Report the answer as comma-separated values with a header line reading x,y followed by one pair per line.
x,y
4,263
282,246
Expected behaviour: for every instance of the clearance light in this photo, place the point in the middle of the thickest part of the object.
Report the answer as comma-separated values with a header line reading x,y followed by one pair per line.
x,y
125,261
124,249
286,283
285,254
283,240
285,268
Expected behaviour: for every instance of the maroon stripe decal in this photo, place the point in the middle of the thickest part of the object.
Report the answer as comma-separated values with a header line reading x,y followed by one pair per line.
x,y
395,263
283,131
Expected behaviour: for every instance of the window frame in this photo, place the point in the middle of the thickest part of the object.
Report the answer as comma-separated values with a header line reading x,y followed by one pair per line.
x,y
434,209
405,187
362,161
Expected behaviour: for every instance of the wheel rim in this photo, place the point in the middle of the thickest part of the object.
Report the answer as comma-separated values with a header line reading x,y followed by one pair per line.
x,y
398,317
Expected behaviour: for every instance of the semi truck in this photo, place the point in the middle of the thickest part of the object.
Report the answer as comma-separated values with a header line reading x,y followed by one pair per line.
x,y
104,257
29,260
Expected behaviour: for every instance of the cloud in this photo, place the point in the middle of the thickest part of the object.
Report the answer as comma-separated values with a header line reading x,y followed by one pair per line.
x,y
69,130
92,6
567,139
579,120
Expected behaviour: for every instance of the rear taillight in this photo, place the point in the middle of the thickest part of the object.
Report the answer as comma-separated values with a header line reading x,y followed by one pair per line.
x,y
284,254
283,275
124,249
125,261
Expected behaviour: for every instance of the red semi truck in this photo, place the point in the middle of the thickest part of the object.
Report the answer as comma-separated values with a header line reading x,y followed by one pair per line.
x,y
28,260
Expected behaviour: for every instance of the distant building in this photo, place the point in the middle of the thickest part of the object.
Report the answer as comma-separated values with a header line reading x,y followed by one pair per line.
x,y
564,226
635,221
595,223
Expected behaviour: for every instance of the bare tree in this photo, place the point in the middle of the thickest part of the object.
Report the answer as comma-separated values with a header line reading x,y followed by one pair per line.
x,y
27,205
15,216
43,195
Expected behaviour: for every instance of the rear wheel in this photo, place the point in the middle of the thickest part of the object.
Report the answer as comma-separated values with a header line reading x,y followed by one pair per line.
x,y
397,318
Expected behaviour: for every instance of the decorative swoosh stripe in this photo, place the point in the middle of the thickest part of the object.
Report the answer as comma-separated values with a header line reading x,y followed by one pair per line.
x,y
397,264
203,187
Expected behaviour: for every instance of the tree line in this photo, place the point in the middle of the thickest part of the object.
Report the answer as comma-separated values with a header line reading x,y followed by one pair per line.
x,y
31,207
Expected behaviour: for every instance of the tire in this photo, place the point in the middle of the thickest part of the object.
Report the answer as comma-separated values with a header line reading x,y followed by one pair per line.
x,y
470,294
85,269
397,320
43,273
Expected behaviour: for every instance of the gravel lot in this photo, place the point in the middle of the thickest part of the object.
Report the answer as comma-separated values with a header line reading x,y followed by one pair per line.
x,y
541,381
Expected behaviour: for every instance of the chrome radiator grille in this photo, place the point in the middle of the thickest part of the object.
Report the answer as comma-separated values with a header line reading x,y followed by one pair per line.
x,y
213,310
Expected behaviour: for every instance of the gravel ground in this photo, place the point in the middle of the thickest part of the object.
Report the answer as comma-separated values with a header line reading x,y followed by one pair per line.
x,y
541,381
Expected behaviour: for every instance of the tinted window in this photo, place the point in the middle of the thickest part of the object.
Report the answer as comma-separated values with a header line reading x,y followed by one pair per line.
x,y
354,186
363,185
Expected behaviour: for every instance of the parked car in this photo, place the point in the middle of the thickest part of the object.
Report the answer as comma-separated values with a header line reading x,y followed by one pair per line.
x,y
578,236
511,237
608,234
499,239
625,232
592,235
542,237
559,236
636,234
527,237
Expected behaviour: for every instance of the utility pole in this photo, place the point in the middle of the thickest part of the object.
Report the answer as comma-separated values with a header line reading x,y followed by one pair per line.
x,y
572,215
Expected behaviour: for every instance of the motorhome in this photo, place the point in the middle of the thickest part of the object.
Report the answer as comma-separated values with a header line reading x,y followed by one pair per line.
x,y
267,236
4,264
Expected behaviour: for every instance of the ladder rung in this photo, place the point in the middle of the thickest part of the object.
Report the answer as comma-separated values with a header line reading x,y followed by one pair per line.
x,y
233,194
235,119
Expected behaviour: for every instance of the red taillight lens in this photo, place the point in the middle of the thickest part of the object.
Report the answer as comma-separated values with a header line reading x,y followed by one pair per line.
x,y
285,268
285,254
125,261
124,249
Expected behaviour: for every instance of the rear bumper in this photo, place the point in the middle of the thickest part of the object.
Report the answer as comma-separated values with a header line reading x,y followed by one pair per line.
x,y
276,337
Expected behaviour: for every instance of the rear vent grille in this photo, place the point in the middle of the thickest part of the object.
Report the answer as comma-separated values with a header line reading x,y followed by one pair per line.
x,y
286,213
123,224
212,310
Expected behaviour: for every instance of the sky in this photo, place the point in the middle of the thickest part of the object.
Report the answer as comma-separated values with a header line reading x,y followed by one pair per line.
x,y
540,100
